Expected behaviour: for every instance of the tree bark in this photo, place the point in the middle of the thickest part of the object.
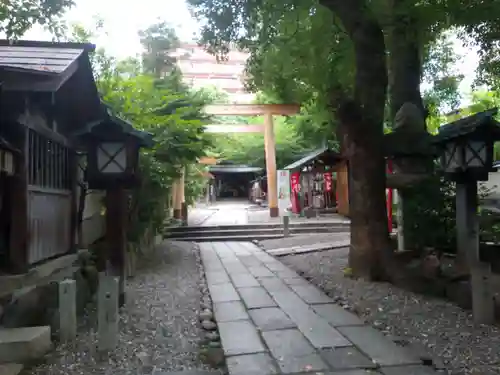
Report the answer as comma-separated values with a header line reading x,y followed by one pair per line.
x,y
361,128
405,65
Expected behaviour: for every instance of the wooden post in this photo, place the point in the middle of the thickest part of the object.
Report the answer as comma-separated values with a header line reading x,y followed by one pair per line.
x,y
178,199
463,259
173,196
183,196
19,238
67,310
116,220
269,146
401,224
107,312
75,226
482,296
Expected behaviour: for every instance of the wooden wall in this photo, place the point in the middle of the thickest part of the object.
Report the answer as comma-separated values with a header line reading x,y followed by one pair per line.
x,y
342,188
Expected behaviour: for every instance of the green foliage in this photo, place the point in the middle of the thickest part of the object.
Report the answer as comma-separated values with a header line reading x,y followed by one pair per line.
x,y
17,16
248,148
430,214
149,96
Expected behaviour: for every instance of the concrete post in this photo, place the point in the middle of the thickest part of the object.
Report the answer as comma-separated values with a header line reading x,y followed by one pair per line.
x,y
107,312
483,306
67,310
286,225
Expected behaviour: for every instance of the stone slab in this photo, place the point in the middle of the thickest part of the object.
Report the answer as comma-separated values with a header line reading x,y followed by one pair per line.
x,y
217,277
276,266
260,271
213,266
310,294
255,298
234,268
244,280
347,359
286,273
270,319
317,330
223,293
408,370
320,333
336,315
187,372
287,343
10,368
240,337
379,348
310,364
295,281
24,344
250,261
273,283
230,311
251,364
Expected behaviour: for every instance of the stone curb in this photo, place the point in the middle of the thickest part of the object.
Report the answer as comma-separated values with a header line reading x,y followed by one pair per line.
x,y
210,345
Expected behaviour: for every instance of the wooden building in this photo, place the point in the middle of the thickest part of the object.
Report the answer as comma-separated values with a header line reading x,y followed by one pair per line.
x,y
232,180
320,180
48,92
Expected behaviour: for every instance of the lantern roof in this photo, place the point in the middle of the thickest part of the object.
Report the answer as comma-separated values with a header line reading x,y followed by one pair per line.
x,y
482,121
6,145
111,123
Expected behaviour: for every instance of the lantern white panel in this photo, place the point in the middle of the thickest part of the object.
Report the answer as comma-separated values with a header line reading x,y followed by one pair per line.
x,y
8,163
111,157
475,154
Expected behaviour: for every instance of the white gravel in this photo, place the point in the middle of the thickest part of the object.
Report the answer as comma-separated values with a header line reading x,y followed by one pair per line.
x,y
159,327
442,329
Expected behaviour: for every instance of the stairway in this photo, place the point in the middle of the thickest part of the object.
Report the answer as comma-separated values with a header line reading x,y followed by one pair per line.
x,y
251,232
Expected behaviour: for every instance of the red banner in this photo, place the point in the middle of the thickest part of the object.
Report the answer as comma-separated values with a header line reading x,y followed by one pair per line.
x,y
295,182
327,176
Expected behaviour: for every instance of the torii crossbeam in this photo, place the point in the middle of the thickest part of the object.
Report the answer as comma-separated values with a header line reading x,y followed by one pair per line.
x,y
266,110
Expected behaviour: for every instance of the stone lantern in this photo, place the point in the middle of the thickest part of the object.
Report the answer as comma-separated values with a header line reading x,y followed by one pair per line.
x,y
466,155
112,147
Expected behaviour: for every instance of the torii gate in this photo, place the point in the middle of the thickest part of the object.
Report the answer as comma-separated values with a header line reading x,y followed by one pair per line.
x,y
266,110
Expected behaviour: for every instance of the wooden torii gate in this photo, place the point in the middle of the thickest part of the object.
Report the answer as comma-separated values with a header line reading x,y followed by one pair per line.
x,y
268,111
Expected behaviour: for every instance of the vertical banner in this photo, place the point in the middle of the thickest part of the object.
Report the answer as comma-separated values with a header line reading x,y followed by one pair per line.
x,y
295,186
327,176
283,190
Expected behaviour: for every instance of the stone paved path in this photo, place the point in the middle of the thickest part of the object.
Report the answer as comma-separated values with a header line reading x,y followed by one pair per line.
x,y
272,321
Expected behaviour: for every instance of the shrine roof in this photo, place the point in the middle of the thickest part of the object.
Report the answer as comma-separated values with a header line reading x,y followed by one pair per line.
x,y
311,157
234,168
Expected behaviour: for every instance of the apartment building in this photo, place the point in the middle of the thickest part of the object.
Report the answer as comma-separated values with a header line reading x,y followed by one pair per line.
x,y
201,69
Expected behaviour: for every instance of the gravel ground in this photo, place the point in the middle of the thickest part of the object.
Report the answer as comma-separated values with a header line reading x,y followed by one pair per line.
x,y
442,329
159,326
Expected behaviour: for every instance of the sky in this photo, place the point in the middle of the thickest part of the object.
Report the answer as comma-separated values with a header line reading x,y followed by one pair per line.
x,y
124,18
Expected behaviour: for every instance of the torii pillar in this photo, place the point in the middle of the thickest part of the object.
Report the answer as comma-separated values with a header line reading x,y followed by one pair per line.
x,y
266,110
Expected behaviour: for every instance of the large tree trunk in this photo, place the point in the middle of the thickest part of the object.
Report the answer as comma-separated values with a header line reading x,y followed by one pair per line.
x,y
361,126
405,65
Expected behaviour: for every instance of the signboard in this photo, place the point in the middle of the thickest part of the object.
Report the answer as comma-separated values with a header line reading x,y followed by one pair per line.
x,y
283,190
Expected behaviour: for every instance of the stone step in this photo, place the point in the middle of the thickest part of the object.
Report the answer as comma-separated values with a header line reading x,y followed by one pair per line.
x,y
24,344
240,238
307,224
249,232
10,368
